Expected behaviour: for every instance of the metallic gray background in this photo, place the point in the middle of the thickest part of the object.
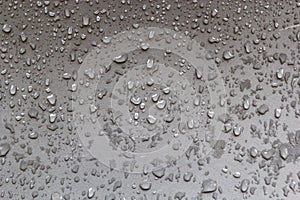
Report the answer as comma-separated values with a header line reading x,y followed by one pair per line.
x,y
270,28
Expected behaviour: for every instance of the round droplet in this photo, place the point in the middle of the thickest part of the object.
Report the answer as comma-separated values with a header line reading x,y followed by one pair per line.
x,y
145,185
6,28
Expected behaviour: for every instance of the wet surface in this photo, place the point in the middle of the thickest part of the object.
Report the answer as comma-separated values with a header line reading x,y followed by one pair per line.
x,y
149,100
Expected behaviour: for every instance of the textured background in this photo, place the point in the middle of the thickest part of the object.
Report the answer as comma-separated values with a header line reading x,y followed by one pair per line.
x,y
253,44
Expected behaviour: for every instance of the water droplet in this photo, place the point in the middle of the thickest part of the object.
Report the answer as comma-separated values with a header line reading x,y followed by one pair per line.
x,y
227,55
4,149
209,185
6,28
121,58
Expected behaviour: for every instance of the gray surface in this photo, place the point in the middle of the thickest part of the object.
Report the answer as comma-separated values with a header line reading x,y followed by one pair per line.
x,y
240,48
